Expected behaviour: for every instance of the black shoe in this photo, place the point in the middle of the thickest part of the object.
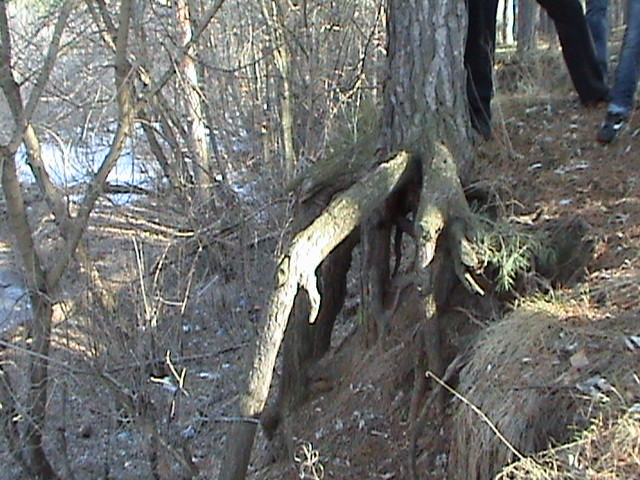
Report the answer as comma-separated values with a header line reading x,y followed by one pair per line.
x,y
613,123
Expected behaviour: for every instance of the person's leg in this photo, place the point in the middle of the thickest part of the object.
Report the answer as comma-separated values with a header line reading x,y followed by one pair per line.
x,y
577,49
478,58
598,20
626,79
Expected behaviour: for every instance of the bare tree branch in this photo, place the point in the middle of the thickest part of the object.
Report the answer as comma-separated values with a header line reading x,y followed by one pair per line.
x,y
125,124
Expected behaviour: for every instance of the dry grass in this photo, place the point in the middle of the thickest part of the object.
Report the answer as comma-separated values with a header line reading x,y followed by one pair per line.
x,y
530,375
609,449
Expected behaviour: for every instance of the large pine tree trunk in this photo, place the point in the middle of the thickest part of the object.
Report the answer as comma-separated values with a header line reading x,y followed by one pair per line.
x,y
425,143
424,95
425,104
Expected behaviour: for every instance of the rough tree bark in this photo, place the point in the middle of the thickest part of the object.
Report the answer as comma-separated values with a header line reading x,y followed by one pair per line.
x,y
424,95
424,145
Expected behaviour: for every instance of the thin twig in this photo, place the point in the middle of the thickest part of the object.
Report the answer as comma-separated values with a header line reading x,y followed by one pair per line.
x,y
186,358
478,412
237,420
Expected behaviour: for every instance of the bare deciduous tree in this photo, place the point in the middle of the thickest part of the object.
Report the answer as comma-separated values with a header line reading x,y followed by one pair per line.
x,y
44,273
193,99
42,279
528,13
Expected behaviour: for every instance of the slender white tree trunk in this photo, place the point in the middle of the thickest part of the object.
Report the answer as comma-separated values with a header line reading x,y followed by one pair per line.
x,y
188,73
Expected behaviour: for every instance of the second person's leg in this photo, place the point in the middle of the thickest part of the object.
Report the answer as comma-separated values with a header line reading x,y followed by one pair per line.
x,y
577,49
598,20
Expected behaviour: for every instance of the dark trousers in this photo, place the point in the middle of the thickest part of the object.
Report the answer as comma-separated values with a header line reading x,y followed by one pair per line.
x,y
478,59
575,39
577,49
